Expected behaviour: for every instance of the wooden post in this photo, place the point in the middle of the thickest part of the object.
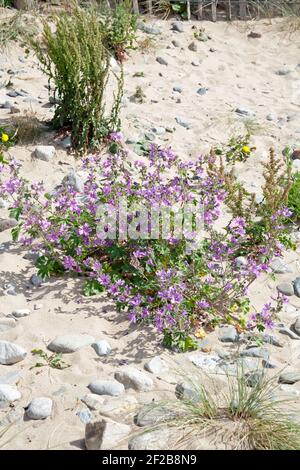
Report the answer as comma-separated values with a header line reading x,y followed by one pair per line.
x,y
243,10
228,10
136,7
214,10
149,6
200,9
188,9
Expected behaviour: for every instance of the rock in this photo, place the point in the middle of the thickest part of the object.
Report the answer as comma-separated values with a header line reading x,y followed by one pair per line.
x,y
212,49
66,143
289,377
192,46
254,35
149,136
10,289
8,393
283,71
149,28
14,110
6,105
21,312
45,152
245,112
176,43
286,331
6,224
105,434
296,284
12,93
255,352
245,364
70,343
269,364
93,401
39,408
228,335
134,378
286,288
159,130
156,365
185,391
36,280
102,348
183,122
117,405
295,155
161,61
270,117
207,362
253,379
178,27
279,267
85,416
11,377
11,353
73,180
271,339
178,89
153,415
6,324
296,326
241,261
196,63
107,387
202,91
156,439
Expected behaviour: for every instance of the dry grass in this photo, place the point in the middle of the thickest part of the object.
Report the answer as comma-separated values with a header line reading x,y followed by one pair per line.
x,y
27,128
16,27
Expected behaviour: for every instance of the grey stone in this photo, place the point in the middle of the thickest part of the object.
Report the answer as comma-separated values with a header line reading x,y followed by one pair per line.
x,y
45,152
11,353
283,71
176,43
153,415
8,393
93,401
184,391
156,439
245,112
85,416
36,280
6,324
193,46
286,288
156,365
286,331
183,122
296,326
149,136
202,91
149,28
11,289
241,261
178,89
228,335
269,364
271,339
279,267
131,377
21,312
66,143
255,352
6,224
14,110
6,105
270,117
161,61
73,180
105,434
296,284
12,93
289,377
107,387
39,408
253,379
196,63
159,130
70,343
102,348
178,27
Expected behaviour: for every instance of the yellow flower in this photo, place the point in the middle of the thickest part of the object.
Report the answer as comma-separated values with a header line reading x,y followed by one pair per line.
x,y
5,138
246,149
200,333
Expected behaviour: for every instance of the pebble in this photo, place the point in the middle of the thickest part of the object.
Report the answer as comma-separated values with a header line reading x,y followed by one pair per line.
x,y
66,143
255,352
152,415
286,288
271,339
270,117
202,91
14,110
85,415
283,71
290,391
6,224
161,61
159,130
73,180
105,434
149,28
36,280
8,393
11,353
253,379
241,261
193,46
279,267
207,362
195,63
92,401
289,377
156,365
6,324
21,312
286,331
245,112
178,89
296,284
70,343
178,27
176,43
39,408
117,405
45,152
131,377
156,439
107,387
184,391
228,335
296,326
6,105
183,122
269,364
11,289
102,348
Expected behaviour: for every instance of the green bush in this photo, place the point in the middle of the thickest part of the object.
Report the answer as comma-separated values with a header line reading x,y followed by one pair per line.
x,y
78,65
294,196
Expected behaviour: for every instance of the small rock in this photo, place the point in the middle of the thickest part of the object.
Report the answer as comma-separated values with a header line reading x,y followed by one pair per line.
x,y
254,35
184,391
270,117
153,415
45,152
183,122
7,324
286,288
156,439
296,284
279,267
39,408
11,289
212,49
269,364
85,416
102,348
134,378
202,91
14,110
178,27
254,378
70,343
12,93
66,143
178,89
161,61
195,63
176,43
156,365
8,393
10,353
6,105
245,112
193,46
289,377
241,261
21,312
36,280
107,387
6,224
105,434
73,180
149,28
286,331
93,401
296,326
283,71
289,390
255,352
229,335
117,405
159,130
271,339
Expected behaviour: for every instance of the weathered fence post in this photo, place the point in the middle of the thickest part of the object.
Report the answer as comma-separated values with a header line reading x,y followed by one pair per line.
x,y
200,9
214,10
188,9
135,5
228,10
149,6
242,9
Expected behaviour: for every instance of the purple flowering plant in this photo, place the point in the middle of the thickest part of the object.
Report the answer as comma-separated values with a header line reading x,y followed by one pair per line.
x,y
160,281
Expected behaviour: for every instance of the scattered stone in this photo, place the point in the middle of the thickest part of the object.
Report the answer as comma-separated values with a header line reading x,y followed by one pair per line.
x,y
286,288
117,405
102,348
176,43
14,110
207,362
107,387
159,130
196,63
296,326
295,155
131,377
202,91
178,27
21,312
70,343
6,324
228,335
8,393
184,391
193,46
66,143
255,352
271,339
152,415
105,434
289,390
12,93
73,180
39,408
45,152
149,136
183,122
178,89
296,284
283,71
254,378
93,401
85,416
6,224
245,112
254,35
36,280
270,117
286,331
6,105
10,353
156,365
212,49
279,267
268,364
289,377
156,439
38,306
241,261
149,28
10,289
161,61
